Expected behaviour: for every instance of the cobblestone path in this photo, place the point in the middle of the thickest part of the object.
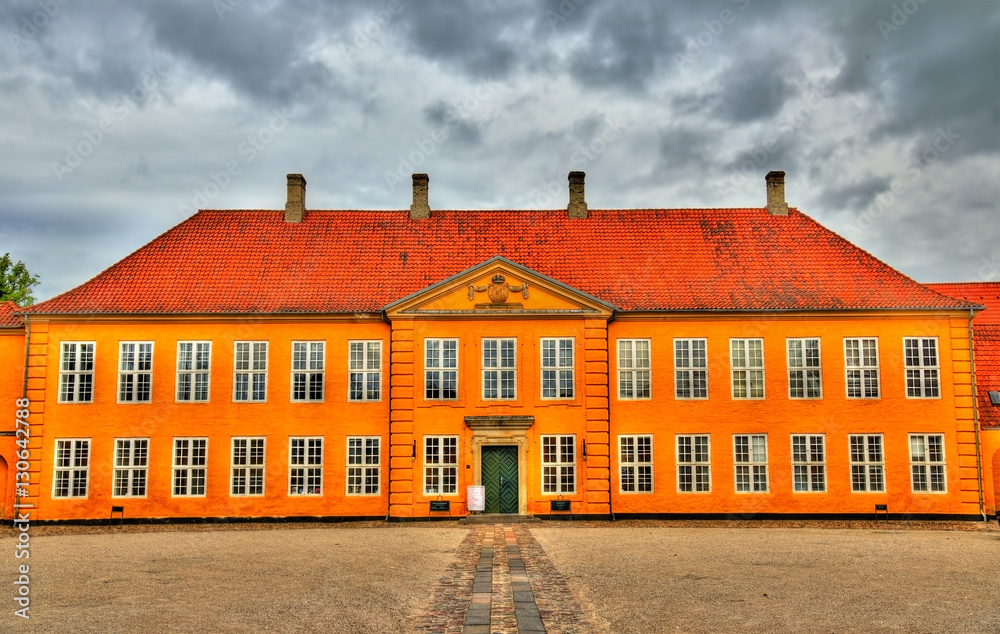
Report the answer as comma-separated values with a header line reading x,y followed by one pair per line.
x,y
501,582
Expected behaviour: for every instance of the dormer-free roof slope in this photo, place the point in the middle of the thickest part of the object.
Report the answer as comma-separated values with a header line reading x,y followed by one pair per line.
x,y
8,316
243,261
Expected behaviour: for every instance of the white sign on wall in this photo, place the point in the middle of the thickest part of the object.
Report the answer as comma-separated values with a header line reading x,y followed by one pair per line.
x,y
477,498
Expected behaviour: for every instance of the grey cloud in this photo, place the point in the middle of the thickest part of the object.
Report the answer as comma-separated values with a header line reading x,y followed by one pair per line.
x,y
856,196
753,90
465,35
439,114
685,148
938,67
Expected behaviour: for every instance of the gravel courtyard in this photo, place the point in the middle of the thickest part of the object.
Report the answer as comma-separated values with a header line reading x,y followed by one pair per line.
x,y
629,577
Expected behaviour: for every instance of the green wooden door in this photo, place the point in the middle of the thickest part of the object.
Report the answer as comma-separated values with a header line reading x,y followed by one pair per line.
x,y
500,479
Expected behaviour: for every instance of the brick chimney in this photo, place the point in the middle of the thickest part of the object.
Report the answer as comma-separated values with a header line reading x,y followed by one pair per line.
x,y
295,206
577,201
776,205
420,209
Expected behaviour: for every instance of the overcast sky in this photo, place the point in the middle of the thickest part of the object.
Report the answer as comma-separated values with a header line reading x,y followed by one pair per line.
x,y
118,119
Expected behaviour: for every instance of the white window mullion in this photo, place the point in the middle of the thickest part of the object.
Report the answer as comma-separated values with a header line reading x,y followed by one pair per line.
x,y
559,464
441,369
808,462
135,371
804,369
363,465
305,466
690,369
557,368
499,369
634,380
747,366
867,463
861,367
440,465
921,359
308,371
194,360
130,467
750,458
635,464
250,371
76,372
365,371
927,464
190,462
694,463
71,468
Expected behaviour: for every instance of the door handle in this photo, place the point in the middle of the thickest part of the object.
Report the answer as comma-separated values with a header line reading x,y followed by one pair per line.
x,y
501,480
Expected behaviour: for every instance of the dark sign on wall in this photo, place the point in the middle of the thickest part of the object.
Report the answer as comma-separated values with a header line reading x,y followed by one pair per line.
x,y
438,505
559,505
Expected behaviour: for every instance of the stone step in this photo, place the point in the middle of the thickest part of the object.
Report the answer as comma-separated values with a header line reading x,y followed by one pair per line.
x,y
498,518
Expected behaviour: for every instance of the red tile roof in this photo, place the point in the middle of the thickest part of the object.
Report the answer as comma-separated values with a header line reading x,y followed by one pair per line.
x,y
985,340
984,293
7,317
348,261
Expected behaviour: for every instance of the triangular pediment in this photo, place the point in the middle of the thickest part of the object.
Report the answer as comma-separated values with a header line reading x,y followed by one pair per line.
x,y
499,287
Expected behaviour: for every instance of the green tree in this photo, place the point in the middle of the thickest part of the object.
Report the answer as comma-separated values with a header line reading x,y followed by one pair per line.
x,y
16,282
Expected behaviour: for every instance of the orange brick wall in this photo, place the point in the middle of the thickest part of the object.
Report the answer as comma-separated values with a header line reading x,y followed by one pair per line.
x,y
585,416
220,419
893,415
11,381
595,416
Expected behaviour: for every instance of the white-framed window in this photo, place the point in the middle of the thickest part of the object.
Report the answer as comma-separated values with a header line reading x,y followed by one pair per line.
x,y
861,364
194,360
927,463
634,369
694,461
559,464
747,360
305,465
365,371
308,371
250,371
363,465
72,468
557,368
247,467
867,463
440,465
808,462
750,459
690,368
76,372
131,467
921,368
440,369
499,369
805,374
635,464
190,467
135,371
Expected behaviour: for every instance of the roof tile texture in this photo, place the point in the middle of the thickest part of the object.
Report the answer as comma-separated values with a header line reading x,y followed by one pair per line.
x,y
348,261
7,317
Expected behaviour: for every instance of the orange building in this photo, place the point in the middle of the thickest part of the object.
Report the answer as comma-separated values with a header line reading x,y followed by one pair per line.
x,y
575,362
986,346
